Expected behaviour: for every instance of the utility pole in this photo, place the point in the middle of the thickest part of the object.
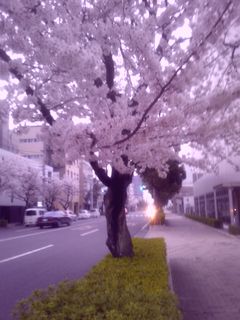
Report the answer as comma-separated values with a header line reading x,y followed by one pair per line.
x,y
91,194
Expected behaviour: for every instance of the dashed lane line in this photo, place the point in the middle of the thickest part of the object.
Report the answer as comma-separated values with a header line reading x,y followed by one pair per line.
x,y
89,232
26,253
82,227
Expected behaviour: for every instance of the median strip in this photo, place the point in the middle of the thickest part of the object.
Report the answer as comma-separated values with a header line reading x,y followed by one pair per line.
x,y
92,231
123,289
26,253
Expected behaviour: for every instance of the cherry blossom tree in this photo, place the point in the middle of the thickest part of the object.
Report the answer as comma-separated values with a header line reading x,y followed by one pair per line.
x,y
27,185
125,83
67,191
52,190
163,189
20,180
7,171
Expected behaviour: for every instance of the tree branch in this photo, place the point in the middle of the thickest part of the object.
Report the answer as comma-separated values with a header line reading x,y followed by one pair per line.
x,y
165,87
101,173
109,65
29,90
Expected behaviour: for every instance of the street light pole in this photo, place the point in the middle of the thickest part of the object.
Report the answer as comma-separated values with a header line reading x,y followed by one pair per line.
x,y
91,195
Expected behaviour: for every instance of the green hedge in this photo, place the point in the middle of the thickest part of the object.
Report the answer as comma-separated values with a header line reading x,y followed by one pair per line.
x,y
116,289
206,220
234,229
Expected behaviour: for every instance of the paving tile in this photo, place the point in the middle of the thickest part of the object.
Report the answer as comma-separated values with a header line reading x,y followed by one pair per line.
x,y
205,268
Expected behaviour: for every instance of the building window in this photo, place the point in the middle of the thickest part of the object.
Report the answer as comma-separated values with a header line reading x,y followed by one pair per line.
x,y
202,206
210,205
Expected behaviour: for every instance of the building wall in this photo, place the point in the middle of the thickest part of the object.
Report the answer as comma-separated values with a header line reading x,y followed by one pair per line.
x,y
11,207
183,202
29,143
86,176
217,194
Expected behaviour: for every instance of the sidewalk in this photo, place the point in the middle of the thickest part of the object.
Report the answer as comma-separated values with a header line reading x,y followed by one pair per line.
x,y
205,268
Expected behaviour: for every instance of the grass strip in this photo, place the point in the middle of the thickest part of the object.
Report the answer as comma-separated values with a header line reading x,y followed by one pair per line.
x,y
116,289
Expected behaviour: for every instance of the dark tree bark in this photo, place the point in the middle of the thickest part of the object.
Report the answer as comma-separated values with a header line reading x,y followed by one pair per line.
x,y
118,237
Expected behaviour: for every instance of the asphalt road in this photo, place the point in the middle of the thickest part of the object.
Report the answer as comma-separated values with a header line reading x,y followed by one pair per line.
x,y
31,258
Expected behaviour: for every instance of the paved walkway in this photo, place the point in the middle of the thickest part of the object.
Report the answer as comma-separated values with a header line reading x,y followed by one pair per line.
x,y
205,268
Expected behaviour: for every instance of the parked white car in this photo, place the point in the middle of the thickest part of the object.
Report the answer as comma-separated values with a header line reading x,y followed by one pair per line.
x,y
71,215
84,214
95,213
32,214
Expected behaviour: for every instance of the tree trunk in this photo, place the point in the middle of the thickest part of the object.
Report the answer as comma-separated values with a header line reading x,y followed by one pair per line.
x,y
118,237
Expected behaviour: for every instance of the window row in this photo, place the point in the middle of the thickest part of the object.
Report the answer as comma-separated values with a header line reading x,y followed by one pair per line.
x,y
33,156
29,140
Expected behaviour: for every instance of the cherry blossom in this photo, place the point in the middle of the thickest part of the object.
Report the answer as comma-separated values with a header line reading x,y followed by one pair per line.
x,y
148,76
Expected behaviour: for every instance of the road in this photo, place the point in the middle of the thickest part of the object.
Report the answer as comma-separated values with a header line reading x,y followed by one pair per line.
x,y
31,258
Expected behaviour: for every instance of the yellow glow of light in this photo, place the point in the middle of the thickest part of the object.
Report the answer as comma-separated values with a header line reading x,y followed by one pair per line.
x,y
151,211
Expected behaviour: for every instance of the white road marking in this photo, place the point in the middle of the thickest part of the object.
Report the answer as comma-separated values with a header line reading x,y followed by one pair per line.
x,y
92,231
144,226
131,224
28,235
34,234
26,253
82,227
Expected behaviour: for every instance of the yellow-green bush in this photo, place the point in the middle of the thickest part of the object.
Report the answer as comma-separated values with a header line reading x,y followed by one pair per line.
x,y
116,289
212,222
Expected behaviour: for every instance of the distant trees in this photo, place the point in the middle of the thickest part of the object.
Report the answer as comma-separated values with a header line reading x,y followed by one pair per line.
x,y
6,173
67,192
20,181
51,192
163,189
27,184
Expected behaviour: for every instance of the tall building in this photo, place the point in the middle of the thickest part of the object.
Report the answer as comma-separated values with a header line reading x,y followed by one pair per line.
x,y
30,144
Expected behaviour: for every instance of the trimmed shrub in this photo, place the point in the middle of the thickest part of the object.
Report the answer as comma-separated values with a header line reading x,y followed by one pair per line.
x,y
234,229
159,217
215,223
3,223
116,289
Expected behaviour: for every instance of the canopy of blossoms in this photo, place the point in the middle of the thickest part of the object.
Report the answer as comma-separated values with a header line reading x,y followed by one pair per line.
x,y
125,82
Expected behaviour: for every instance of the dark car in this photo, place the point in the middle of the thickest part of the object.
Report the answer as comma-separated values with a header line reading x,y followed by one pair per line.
x,y
53,219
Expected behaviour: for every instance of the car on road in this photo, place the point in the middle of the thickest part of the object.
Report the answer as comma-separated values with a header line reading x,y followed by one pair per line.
x,y
53,219
32,214
84,214
95,213
71,215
